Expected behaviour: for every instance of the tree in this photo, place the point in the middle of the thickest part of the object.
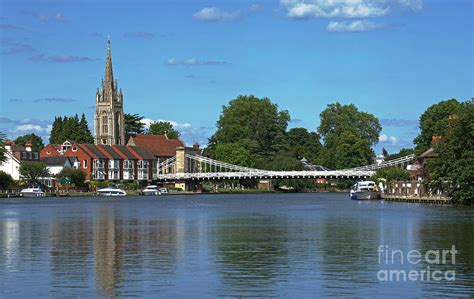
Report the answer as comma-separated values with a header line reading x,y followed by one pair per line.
x,y
402,153
337,118
35,140
3,156
85,133
282,162
56,131
392,174
434,122
5,180
33,170
348,135
70,128
453,168
234,154
76,176
133,124
384,152
162,128
254,123
352,151
300,143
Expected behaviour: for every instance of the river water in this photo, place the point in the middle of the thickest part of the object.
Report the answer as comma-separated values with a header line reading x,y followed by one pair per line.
x,y
291,245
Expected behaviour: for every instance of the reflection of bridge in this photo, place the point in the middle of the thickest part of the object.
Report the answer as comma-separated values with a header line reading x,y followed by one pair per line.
x,y
188,166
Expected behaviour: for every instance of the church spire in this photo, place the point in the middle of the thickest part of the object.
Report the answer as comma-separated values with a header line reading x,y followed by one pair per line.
x,y
109,76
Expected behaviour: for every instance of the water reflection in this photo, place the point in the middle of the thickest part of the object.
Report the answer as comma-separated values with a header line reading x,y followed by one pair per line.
x,y
108,252
251,252
276,245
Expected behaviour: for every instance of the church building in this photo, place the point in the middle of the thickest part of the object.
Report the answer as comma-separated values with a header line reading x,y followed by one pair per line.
x,y
109,126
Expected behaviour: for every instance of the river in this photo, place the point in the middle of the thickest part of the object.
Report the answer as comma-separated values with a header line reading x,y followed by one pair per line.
x,y
291,245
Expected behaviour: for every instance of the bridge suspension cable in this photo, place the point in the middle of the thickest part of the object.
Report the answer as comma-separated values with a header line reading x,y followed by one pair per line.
x,y
198,167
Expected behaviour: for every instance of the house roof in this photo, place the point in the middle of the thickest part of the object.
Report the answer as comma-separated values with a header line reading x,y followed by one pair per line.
x,y
158,145
428,154
143,152
55,160
94,150
123,149
110,151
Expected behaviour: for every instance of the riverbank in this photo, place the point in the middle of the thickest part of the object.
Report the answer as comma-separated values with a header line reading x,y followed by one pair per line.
x,y
416,199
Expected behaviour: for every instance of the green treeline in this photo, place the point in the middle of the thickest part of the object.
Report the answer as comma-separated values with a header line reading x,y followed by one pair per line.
x,y
70,128
254,132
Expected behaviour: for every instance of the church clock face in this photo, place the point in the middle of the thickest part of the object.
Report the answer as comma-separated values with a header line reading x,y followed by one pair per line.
x,y
109,123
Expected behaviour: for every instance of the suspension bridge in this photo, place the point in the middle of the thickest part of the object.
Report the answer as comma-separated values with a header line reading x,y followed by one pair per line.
x,y
193,167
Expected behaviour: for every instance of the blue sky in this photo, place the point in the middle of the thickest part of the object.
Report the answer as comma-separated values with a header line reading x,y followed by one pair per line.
x,y
182,60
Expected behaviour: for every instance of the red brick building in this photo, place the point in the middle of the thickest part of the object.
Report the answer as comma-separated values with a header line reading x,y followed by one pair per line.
x,y
106,162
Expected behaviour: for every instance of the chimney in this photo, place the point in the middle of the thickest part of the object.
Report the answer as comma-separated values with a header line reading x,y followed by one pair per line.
x,y
196,146
435,139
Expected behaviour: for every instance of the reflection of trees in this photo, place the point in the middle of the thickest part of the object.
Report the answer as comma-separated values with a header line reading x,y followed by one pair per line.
x,y
442,235
251,251
348,249
162,244
69,251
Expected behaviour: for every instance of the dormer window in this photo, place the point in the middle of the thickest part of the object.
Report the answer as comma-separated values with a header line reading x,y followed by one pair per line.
x,y
74,149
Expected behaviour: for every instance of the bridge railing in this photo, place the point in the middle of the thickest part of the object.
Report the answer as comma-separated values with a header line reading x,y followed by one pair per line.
x,y
385,164
265,175
200,167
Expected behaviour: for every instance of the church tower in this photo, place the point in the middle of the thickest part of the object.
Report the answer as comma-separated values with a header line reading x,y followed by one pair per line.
x,y
109,127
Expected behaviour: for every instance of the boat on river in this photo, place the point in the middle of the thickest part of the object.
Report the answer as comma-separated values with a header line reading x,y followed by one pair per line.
x,y
151,190
364,190
32,192
111,191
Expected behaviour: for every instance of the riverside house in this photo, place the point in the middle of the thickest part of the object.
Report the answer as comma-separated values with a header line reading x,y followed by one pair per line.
x,y
108,162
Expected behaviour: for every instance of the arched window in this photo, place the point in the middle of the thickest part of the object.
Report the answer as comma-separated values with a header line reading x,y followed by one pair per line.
x,y
105,125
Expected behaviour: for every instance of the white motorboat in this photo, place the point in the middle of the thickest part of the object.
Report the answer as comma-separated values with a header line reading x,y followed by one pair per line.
x,y
32,192
364,190
111,191
151,190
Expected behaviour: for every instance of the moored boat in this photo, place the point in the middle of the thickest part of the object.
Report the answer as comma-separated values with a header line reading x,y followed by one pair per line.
x,y
364,190
32,192
111,191
151,190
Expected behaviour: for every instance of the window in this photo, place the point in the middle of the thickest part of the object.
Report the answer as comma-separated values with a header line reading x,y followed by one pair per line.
x,y
48,152
98,163
113,164
74,149
105,125
104,141
84,164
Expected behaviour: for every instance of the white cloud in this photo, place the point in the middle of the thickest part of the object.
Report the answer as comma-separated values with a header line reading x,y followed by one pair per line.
x,y
384,138
193,62
415,5
216,14
307,9
354,26
33,127
301,9
254,7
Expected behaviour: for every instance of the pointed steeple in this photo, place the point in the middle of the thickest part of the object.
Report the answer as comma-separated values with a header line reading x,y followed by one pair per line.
x,y
109,76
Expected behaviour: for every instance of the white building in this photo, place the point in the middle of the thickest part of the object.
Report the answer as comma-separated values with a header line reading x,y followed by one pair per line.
x,y
15,155
55,165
